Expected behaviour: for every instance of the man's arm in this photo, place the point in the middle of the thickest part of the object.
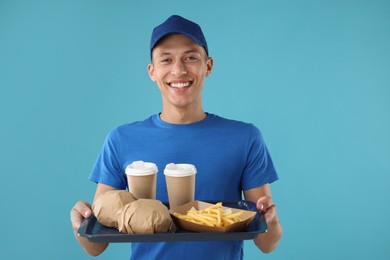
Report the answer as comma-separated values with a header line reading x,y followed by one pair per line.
x,y
262,196
79,212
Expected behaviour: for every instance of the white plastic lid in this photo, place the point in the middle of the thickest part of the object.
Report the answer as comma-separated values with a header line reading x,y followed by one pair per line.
x,y
179,170
141,168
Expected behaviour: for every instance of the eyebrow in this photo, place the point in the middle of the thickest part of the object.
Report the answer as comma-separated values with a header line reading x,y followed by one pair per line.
x,y
170,53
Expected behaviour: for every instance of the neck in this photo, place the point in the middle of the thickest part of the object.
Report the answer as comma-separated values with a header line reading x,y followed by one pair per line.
x,y
179,116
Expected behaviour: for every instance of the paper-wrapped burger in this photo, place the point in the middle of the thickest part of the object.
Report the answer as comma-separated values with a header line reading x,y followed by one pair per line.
x,y
144,216
107,205
120,209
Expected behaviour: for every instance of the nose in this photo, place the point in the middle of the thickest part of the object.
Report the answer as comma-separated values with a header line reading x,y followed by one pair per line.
x,y
178,68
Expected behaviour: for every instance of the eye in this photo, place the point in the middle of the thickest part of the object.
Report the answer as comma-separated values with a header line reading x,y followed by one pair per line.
x,y
191,58
166,61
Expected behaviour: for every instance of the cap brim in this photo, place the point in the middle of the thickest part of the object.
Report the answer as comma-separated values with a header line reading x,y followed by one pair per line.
x,y
194,39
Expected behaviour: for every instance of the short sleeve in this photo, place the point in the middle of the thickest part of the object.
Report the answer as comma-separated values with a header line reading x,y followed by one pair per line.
x,y
107,169
259,169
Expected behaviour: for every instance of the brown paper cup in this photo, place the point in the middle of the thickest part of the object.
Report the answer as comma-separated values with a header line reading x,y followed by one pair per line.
x,y
141,179
180,179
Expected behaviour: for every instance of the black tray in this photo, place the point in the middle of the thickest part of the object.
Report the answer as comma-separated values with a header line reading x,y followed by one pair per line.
x,y
96,232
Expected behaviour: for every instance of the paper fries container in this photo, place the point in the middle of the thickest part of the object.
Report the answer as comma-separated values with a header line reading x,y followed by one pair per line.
x,y
246,219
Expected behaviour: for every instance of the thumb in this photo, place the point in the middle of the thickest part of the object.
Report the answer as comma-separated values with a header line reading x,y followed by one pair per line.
x,y
87,210
87,213
263,203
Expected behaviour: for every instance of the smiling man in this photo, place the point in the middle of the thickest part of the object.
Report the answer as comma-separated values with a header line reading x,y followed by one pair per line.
x,y
179,67
230,156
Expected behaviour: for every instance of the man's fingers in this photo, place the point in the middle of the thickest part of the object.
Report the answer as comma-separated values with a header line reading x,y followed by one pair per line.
x,y
267,207
80,210
264,203
84,208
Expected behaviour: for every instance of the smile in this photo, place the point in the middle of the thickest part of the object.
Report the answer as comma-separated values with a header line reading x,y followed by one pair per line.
x,y
180,84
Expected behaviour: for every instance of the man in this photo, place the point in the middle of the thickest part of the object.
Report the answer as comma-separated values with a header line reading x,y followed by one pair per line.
x,y
230,156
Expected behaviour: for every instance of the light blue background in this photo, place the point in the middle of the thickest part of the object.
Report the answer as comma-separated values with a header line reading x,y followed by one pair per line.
x,y
313,75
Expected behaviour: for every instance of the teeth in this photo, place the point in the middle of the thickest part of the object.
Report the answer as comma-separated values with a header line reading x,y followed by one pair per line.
x,y
180,85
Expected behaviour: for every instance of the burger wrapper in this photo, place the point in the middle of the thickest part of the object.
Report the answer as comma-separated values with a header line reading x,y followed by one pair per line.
x,y
107,205
145,216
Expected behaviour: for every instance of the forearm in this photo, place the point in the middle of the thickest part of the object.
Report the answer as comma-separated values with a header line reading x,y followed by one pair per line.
x,y
94,249
269,240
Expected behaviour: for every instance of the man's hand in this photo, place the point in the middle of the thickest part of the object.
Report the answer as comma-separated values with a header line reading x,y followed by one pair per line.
x,y
266,205
262,196
80,211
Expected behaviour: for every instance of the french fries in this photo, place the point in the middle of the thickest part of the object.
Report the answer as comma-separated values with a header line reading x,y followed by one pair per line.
x,y
213,216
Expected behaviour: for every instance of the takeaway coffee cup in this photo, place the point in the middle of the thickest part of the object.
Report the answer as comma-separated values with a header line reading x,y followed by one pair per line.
x,y
180,179
141,178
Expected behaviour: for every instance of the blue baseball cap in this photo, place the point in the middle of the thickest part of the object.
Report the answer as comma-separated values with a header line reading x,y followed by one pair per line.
x,y
178,25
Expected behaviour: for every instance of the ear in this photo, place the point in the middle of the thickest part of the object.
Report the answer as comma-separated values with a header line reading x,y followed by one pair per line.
x,y
210,65
151,72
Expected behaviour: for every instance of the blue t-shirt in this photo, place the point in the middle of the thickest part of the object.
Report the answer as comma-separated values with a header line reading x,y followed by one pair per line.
x,y
230,157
